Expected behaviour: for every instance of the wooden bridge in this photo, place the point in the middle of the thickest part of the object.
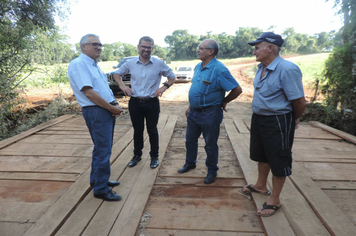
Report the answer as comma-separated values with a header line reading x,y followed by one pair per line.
x,y
44,183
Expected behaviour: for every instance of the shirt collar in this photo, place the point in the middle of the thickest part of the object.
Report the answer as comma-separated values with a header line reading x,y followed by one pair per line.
x,y
273,64
87,59
211,62
138,60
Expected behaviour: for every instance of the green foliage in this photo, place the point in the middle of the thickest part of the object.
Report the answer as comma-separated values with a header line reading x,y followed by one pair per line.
x,y
48,77
20,23
338,86
311,66
244,35
338,83
182,45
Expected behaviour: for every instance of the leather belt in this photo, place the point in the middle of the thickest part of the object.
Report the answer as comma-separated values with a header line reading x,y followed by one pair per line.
x,y
202,109
143,99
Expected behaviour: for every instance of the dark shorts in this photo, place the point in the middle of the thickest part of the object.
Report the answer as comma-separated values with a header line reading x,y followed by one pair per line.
x,y
272,140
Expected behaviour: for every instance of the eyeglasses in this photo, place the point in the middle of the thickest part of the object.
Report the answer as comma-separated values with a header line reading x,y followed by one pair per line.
x,y
199,48
96,45
146,48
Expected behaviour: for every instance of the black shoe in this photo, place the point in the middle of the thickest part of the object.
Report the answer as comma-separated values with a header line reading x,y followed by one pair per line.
x,y
113,183
210,178
135,160
108,196
154,163
186,168
110,183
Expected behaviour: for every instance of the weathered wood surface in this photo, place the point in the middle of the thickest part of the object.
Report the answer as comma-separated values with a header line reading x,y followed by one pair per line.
x,y
44,187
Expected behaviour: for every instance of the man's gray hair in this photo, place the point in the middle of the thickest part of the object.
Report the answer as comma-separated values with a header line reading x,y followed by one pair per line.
x,y
213,44
84,39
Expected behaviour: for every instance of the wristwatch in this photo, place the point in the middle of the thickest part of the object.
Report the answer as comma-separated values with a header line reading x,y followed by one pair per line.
x,y
167,85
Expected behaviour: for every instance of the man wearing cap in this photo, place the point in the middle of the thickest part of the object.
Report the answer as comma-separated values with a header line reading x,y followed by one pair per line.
x,y
278,102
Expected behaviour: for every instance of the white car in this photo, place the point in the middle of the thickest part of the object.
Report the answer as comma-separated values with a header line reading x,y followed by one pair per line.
x,y
184,73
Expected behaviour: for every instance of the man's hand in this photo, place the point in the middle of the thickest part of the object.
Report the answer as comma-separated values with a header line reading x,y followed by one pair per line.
x,y
116,110
224,106
296,123
127,91
187,112
118,79
160,91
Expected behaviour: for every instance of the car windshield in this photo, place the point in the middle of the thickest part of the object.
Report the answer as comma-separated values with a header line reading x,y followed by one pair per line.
x,y
185,68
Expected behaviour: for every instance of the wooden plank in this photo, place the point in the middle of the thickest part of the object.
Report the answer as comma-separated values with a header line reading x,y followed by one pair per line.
x,y
60,177
86,210
336,185
324,145
332,217
173,232
52,220
44,164
296,209
131,213
94,211
13,228
227,169
29,132
222,182
330,171
85,134
305,131
22,212
249,169
42,150
58,139
203,214
339,133
241,126
298,212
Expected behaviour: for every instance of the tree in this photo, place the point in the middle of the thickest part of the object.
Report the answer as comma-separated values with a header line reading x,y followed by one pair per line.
x,y
244,35
182,45
20,21
160,52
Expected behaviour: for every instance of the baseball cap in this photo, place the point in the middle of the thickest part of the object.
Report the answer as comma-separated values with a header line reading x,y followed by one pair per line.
x,y
268,37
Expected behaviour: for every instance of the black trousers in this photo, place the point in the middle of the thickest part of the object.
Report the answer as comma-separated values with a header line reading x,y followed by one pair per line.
x,y
142,109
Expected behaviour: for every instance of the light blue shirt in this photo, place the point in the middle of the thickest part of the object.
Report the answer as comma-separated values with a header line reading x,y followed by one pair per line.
x,y
209,84
145,78
84,71
281,84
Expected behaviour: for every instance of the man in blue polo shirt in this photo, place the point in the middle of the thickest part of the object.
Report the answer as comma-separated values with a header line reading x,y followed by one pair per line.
x,y
278,102
99,108
207,101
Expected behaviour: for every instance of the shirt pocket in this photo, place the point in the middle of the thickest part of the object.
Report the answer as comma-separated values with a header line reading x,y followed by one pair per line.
x,y
267,88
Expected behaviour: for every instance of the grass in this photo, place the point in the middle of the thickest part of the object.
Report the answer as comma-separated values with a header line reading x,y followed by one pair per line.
x,y
310,65
48,77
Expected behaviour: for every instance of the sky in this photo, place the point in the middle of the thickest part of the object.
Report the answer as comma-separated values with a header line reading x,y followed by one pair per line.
x,y
127,21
